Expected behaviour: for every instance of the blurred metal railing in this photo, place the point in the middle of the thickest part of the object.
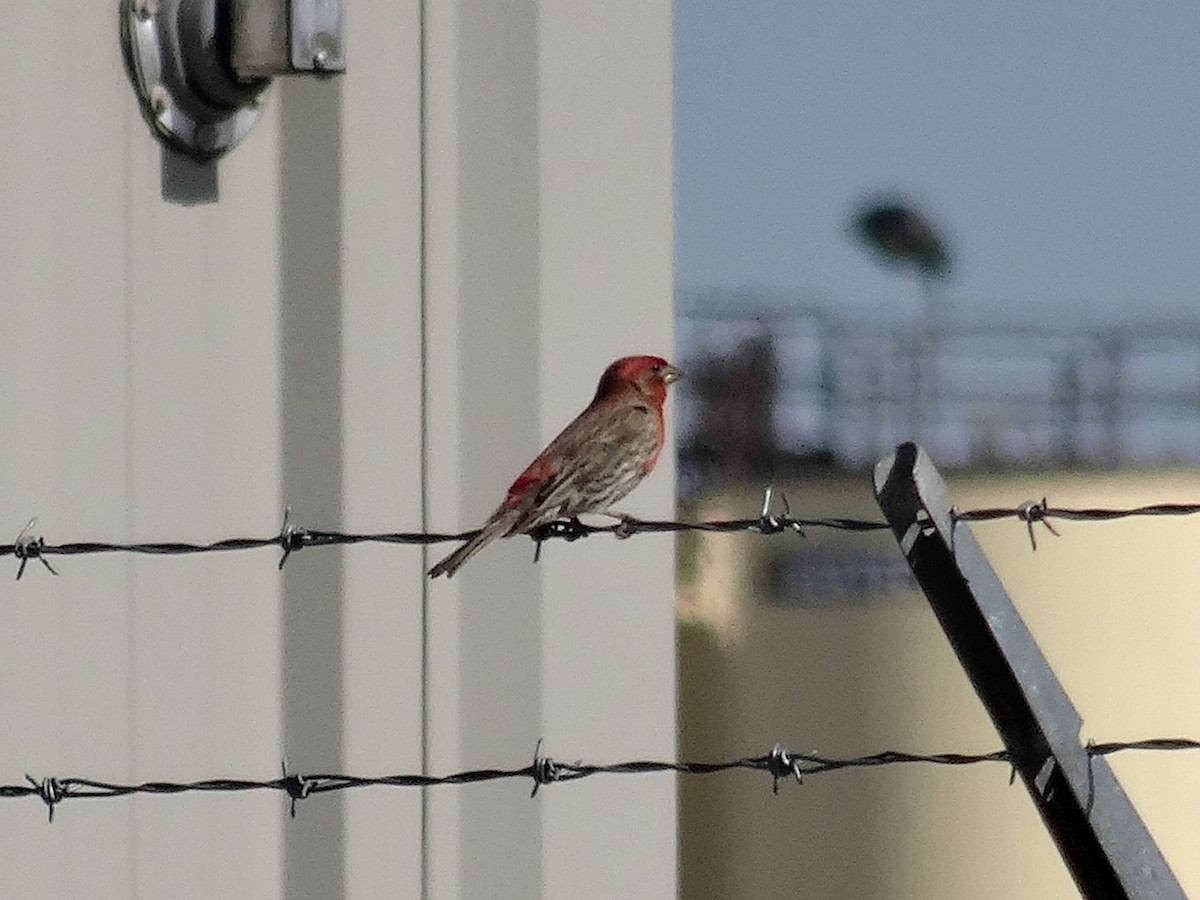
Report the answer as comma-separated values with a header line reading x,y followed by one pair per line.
x,y
973,394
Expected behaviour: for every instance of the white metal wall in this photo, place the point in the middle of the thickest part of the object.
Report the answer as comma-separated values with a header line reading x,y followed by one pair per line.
x,y
392,303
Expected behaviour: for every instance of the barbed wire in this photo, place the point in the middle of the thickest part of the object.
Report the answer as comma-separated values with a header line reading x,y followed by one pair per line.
x,y
779,764
29,545
1032,512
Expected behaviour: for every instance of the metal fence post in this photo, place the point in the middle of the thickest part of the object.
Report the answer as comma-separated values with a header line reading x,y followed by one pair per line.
x,y
1100,835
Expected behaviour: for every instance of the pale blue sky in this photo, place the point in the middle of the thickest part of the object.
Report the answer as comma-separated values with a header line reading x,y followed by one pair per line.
x,y
1058,145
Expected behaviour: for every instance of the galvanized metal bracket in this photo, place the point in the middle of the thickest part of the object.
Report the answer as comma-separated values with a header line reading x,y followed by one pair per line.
x,y
288,37
1101,838
177,56
317,43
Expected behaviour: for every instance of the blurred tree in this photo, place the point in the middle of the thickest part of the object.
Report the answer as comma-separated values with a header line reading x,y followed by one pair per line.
x,y
895,232
901,236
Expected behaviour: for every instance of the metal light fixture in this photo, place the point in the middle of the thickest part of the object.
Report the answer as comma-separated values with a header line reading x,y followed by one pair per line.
x,y
200,67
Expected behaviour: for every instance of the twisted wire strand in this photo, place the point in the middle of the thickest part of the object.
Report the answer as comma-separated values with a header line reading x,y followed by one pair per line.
x,y
291,538
779,764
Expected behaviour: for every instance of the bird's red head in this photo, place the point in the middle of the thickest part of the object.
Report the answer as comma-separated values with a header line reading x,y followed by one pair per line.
x,y
648,375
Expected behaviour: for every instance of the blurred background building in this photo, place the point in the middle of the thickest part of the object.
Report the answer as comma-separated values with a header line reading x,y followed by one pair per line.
x,y
822,642
784,384
974,228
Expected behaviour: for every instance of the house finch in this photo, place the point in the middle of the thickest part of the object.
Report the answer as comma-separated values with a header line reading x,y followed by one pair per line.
x,y
596,460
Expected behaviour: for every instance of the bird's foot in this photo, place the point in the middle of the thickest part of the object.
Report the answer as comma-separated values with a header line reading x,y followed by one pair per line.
x,y
626,524
571,529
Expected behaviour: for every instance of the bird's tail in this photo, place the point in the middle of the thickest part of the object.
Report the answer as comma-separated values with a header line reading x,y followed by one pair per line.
x,y
492,529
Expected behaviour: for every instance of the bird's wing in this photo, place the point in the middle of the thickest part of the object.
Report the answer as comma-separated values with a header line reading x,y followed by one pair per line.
x,y
530,482
597,465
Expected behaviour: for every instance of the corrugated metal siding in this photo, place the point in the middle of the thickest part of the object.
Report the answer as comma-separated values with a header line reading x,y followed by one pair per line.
x,y
182,372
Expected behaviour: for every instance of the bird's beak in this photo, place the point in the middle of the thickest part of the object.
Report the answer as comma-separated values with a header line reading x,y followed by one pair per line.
x,y
670,375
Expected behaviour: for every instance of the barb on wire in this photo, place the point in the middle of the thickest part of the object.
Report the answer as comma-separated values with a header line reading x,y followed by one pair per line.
x,y
292,537
1030,512
779,764
30,546
769,524
297,786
